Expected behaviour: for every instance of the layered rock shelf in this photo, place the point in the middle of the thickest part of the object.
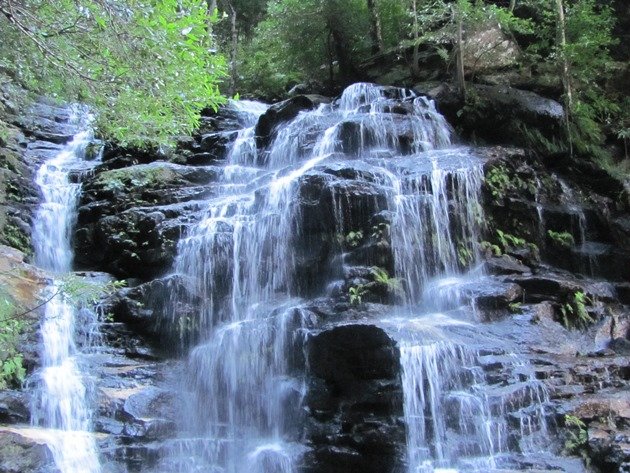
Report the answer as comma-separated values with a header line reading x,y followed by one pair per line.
x,y
535,276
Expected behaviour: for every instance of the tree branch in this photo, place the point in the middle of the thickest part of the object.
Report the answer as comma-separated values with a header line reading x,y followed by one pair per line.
x,y
33,309
44,49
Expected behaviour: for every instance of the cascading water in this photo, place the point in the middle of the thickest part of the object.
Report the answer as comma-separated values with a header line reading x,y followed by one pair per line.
x,y
60,394
239,267
239,373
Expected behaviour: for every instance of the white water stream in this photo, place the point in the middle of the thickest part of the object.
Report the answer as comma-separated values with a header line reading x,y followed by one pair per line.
x,y
239,265
242,389
60,401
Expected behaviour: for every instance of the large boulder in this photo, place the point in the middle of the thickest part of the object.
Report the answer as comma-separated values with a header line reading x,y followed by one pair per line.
x,y
137,243
24,450
136,215
22,287
350,354
159,183
141,413
487,49
283,112
354,401
499,114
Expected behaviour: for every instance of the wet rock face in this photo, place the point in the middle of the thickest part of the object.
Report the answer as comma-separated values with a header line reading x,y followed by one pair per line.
x,y
33,134
136,206
138,203
574,225
499,112
147,309
20,452
14,407
135,410
281,113
331,204
136,215
354,401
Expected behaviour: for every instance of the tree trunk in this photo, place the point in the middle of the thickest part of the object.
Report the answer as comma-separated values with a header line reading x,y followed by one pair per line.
x,y
512,5
415,66
346,68
233,51
459,54
331,59
212,6
565,69
564,63
376,33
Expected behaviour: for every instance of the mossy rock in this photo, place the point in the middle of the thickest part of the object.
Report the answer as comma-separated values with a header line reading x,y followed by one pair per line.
x,y
139,177
158,183
17,190
14,236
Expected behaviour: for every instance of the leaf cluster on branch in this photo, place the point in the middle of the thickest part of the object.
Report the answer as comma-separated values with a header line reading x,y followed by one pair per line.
x,y
147,67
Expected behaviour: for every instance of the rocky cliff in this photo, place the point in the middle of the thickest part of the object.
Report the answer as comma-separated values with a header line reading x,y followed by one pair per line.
x,y
553,258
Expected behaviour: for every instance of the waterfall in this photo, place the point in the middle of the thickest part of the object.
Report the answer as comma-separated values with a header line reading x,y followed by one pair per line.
x,y
237,261
240,268
60,401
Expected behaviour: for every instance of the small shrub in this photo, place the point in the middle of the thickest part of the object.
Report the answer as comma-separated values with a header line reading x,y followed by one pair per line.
x,y
351,239
562,239
515,307
356,293
465,255
84,292
490,248
576,442
508,240
16,238
500,181
4,133
11,327
574,313
381,276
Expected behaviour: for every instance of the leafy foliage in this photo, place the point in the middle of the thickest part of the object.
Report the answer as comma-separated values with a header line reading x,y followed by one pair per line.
x,y
85,292
11,369
356,293
562,239
353,239
382,277
500,181
508,240
437,23
465,254
147,67
304,40
588,28
576,442
490,249
574,313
